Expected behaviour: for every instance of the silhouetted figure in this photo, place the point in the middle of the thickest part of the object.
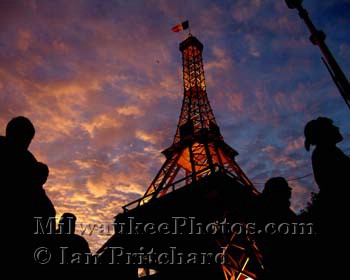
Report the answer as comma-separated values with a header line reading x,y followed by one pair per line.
x,y
331,171
16,161
275,200
16,175
19,133
21,182
43,209
74,249
328,208
274,240
330,165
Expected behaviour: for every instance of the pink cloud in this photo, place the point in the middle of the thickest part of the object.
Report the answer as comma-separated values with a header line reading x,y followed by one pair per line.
x,y
295,144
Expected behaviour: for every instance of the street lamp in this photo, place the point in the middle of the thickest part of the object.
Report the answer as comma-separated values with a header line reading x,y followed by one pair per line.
x,y
318,38
292,4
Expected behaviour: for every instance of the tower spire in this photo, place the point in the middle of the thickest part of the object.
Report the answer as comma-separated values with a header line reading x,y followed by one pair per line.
x,y
195,107
198,148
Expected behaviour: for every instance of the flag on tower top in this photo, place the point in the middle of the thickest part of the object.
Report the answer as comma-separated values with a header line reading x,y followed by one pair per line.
x,y
181,26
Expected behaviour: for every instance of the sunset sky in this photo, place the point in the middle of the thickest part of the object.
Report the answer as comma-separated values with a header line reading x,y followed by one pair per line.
x,y
102,83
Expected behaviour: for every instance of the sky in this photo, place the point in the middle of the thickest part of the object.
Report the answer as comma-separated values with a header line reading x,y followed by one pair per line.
x,y
102,83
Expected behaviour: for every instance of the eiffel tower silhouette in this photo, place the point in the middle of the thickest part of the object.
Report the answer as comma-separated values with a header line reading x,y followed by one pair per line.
x,y
199,190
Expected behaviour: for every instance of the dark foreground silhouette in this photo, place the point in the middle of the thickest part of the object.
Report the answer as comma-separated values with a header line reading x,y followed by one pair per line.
x,y
31,216
73,248
273,207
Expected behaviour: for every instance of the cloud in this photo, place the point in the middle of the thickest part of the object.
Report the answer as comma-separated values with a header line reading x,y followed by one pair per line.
x,y
268,149
24,40
97,187
146,137
243,11
301,195
102,122
221,62
252,45
296,144
130,111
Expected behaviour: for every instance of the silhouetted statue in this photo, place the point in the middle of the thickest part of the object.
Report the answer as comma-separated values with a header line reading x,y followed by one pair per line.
x,y
330,165
274,218
74,249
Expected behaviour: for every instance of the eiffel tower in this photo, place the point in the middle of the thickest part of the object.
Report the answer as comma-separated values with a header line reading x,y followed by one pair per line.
x,y
199,189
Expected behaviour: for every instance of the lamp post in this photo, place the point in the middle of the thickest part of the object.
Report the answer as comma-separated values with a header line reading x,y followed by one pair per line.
x,y
318,38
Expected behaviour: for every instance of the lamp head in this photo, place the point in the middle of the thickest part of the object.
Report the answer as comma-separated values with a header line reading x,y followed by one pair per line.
x,y
292,4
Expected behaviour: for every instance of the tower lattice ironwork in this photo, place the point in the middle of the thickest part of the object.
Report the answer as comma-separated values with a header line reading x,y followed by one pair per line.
x,y
199,179
198,148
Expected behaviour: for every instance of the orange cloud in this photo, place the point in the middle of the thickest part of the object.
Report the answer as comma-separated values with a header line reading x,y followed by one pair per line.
x,y
24,38
130,110
146,137
103,121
